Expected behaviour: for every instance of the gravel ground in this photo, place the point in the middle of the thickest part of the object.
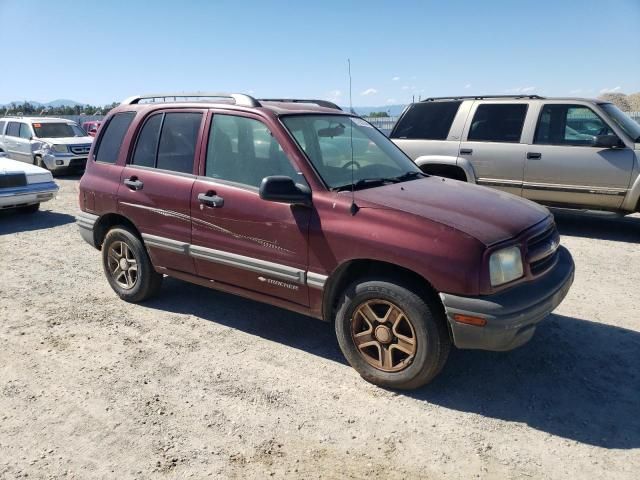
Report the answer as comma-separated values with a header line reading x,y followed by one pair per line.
x,y
198,383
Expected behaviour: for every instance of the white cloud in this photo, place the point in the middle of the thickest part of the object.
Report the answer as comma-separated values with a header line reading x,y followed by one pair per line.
x,y
369,91
611,90
468,85
517,90
395,79
391,100
334,96
405,87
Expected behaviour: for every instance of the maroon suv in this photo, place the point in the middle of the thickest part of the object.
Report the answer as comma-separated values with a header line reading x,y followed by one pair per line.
x,y
301,205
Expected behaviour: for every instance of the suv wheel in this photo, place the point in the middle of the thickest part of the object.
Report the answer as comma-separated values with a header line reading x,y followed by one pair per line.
x,y
390,335
128,267
38,162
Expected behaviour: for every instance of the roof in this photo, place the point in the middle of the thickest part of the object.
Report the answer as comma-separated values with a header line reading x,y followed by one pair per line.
x,y
509,98
38,119
278,106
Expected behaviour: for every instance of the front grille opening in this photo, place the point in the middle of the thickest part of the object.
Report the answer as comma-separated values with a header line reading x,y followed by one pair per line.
x,y
542,251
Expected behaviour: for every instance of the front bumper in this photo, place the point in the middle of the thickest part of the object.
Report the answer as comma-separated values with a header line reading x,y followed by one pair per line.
x,y
511,316
27,195
64,161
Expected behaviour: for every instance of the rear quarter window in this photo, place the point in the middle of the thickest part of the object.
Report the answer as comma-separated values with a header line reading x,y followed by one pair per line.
x,y
109,143
2,125
426,121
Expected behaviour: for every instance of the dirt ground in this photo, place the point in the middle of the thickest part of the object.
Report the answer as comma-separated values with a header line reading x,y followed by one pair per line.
x,y
198,384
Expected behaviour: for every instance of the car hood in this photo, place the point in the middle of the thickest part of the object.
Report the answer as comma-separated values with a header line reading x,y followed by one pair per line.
x,y
34,174
67,140
489,215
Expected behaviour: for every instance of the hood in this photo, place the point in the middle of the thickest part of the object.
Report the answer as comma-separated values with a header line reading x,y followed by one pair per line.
x,y
34,174
67,140
489,215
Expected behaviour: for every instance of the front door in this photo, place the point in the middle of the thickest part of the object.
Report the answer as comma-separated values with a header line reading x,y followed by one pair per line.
x,y
238,238
564,168
492,144
157,181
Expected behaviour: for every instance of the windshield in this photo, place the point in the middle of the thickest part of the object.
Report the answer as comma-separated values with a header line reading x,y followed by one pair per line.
x,y
327,140
58,130
626,123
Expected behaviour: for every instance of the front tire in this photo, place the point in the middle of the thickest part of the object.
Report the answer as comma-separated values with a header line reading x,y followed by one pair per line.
x,y
390,335
127,266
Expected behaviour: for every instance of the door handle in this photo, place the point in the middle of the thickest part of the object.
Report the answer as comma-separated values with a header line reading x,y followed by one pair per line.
x,y
534,156
133,183
210,199
466,151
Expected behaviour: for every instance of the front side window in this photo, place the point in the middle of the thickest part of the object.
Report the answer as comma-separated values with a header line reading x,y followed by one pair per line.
x,y
498,123
569,125
57,130
243,150
348,151
109,143
168,141
25,131
427,121
13,129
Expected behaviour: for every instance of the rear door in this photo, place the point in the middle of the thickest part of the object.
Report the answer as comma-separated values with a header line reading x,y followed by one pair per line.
x,y
492,144
23,143
238,238
11,136
157,181
564,168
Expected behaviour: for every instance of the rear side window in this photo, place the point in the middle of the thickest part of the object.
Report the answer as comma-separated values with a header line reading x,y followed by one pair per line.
x,y
569,125
498,123
13,129
168,141
110,141
25,131
427,121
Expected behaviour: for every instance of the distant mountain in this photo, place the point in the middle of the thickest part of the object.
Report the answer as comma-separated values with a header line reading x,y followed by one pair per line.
x,y
54,103
392,110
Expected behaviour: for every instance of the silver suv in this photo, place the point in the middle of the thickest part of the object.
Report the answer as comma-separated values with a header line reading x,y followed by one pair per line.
x,y
564,152
51,143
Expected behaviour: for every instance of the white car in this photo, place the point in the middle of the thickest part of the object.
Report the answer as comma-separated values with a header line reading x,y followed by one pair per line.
x,y
51,143
24,186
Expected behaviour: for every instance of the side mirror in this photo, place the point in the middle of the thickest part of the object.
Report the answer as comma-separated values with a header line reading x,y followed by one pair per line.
x,y
283,189
607,141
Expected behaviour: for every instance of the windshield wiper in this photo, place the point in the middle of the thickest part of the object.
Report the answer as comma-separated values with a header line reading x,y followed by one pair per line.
x,y
365,183
409,176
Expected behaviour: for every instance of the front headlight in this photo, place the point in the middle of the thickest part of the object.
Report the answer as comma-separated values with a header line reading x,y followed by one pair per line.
x,y
505,265
60,148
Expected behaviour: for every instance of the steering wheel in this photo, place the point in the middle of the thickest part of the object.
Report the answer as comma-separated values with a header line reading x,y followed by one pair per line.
x,y
349,163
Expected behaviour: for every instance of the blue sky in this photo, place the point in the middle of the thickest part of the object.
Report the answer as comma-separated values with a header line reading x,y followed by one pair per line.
x,y
105,50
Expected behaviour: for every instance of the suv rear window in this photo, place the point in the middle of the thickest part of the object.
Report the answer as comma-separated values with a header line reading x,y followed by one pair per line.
x,y
498,123
110,141
177,142
426,121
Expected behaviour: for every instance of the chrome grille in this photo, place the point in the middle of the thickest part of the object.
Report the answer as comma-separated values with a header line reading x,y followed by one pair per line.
x,y
542,250
80,149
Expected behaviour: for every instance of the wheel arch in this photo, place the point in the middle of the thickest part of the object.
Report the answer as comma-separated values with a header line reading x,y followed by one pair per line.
x,y
351,270
458,168
106,222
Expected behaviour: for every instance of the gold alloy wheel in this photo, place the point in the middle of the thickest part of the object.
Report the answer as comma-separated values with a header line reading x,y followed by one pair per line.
x,y
383,335
123,265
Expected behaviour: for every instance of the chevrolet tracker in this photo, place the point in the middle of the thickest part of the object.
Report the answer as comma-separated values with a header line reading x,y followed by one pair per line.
x,y
298,204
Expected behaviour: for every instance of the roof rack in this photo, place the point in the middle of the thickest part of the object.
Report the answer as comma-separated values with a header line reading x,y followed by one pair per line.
x,y
240,98
481,97
320,103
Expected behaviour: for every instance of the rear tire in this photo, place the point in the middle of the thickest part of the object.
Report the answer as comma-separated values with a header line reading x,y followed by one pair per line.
x,y
366,342
127,266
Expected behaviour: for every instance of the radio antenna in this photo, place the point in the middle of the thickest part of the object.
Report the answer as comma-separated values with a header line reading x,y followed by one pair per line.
x,y
354,208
